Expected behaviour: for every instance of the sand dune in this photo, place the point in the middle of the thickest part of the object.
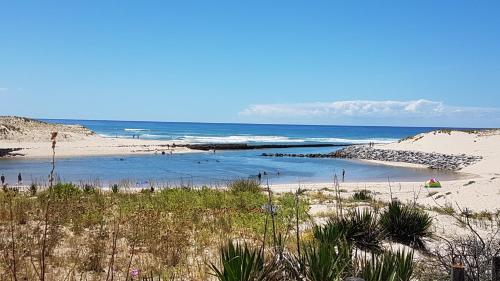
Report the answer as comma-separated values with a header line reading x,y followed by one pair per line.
x,y
33,139
480,191
484,143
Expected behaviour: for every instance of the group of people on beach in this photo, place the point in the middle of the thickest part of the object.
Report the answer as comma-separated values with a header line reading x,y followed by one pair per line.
x,y
264,173
19,180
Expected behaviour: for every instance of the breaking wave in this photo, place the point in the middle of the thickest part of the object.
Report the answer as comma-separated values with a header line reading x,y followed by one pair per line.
x,y
135,130
277,139
250,139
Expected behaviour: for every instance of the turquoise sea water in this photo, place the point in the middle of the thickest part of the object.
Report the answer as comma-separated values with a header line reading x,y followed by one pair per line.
x,y
207,168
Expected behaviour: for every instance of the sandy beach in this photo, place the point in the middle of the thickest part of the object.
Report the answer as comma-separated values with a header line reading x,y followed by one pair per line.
x,y
478,191
33,139
94,146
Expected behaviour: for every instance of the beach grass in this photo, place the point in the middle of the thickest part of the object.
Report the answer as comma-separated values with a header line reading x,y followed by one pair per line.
x,y
169,232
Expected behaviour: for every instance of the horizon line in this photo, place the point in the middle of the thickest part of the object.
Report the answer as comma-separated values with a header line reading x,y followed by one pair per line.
x,y
266,124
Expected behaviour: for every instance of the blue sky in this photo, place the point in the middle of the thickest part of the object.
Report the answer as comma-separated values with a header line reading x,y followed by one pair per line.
x,y
428,63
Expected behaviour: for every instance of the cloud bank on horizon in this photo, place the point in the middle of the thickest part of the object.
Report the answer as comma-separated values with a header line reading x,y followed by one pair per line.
x,y
419,112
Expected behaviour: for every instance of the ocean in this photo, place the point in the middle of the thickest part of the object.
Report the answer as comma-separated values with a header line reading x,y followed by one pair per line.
x,y
246,133
210,169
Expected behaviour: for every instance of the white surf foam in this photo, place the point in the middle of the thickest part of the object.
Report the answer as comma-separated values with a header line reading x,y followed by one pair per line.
x,y
237,139
276,139
135,129
153,136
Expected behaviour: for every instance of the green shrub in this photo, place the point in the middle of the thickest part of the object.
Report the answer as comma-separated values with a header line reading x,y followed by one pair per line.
x,y
244,185
406,224
114,188
87,188
63,190
147,190
33,189
362,195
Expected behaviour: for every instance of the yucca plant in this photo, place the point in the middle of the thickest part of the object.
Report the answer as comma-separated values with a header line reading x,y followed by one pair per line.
x,y
359,228
389,267
363,230
406,225
239,263
326,262
404,264
332,233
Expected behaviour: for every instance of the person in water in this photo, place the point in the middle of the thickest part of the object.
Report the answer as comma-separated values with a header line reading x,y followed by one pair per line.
x,y
259,176
19,179
2,178
343,175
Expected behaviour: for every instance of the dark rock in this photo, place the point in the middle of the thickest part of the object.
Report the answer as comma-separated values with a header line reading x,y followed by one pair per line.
x,y
9,152
432,160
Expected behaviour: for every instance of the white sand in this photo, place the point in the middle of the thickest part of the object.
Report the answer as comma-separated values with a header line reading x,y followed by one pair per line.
x,y
485,144
33,137
481,192
94,146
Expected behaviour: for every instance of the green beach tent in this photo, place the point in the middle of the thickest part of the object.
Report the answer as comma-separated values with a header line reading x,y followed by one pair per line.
x,y
432,183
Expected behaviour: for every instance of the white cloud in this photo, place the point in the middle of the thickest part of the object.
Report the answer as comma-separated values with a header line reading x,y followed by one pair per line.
x,y
3,89
367,108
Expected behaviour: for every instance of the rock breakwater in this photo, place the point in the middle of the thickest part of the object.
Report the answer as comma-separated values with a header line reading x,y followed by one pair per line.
x,y
432,160
246,146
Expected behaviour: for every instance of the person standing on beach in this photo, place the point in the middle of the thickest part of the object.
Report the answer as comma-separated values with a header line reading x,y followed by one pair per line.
x,y
259,176
343,175
2,178
19,179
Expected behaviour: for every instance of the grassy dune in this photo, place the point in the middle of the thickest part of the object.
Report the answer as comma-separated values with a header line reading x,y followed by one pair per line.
x,y
86,234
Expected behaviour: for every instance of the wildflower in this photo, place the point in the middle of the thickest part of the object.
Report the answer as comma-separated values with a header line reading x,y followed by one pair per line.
x,y
134,272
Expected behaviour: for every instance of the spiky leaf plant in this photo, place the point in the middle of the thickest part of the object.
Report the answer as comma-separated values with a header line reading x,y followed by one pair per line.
x,y
406,224
239,263
389,267
404,265
332,233
325,262
360,228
